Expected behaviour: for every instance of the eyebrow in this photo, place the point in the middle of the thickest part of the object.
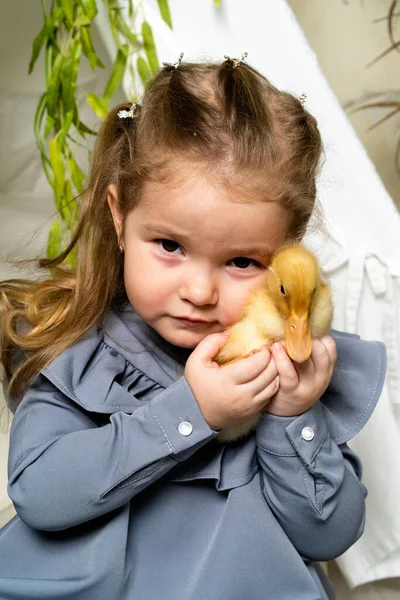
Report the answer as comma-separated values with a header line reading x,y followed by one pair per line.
x,y
254,251
166,231
162,230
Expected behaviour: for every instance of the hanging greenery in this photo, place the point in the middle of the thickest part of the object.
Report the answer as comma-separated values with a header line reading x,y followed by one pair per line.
x,y
65,37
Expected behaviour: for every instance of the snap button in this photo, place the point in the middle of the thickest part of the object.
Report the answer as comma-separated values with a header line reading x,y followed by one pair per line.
x,y
185,428
307,433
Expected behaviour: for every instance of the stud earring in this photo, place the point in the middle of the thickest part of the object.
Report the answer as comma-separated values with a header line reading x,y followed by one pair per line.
x,y
121,247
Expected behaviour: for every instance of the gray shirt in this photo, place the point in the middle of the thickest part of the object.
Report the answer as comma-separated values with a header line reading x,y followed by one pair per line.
x,y
115,498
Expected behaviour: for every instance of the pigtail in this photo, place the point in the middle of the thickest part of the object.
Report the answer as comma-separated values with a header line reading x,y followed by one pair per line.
x,y
177,115
244,104
189,114
39,319
242,93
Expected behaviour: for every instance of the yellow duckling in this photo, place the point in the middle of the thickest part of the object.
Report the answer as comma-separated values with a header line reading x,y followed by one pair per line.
x,y
294,305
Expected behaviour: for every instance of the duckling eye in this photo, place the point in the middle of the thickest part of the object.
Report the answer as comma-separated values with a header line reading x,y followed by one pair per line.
x,y
283,292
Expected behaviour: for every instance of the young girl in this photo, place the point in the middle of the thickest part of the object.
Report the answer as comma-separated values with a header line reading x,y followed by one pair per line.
x,y
121,489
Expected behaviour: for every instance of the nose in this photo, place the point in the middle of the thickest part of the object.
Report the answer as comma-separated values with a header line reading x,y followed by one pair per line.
x,y
199,286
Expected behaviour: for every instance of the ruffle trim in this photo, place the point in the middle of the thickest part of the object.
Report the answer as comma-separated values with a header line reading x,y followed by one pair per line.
x,y
102,379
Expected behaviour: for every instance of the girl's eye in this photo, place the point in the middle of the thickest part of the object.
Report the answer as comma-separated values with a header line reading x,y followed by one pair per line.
x,y
169,245
241,262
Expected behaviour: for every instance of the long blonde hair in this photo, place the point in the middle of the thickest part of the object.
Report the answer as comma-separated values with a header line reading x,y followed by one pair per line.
x,y
230,121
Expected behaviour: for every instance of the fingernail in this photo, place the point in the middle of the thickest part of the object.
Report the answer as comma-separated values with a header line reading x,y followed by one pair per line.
x,y
278,347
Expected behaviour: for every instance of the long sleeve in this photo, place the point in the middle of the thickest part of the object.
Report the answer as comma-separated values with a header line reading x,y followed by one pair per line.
x,y
311,484
66,468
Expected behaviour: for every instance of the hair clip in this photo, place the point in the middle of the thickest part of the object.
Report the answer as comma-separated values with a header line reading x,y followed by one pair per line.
x,y
174,65
236,62
303,98
128,114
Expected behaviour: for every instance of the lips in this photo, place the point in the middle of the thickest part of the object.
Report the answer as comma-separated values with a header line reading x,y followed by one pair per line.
x,y
193,322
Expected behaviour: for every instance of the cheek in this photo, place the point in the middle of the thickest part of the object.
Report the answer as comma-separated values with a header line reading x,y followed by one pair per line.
x,y
234,300
147,287
232,313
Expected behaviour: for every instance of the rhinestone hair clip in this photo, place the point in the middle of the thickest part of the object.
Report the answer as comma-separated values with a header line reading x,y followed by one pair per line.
x,y
303,98
174,65
236,62
127,114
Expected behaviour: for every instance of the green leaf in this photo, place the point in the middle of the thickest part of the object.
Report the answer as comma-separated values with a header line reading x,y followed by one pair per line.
x,y
69,75
88,48
37,46
82,20
37,122
68,204
82,128
126,31
149,46
54,239
165,12
53,86
57,165
78,176
44,35
62,134
143,70
49,126
90,8
98,105
116,75
68,7
48,61
75,119
111,19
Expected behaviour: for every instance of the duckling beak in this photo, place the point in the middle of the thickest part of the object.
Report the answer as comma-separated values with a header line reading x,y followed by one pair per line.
x,y
298,337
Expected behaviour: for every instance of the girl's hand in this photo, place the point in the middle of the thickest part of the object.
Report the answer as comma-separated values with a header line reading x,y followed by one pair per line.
x,y
229,394
301,385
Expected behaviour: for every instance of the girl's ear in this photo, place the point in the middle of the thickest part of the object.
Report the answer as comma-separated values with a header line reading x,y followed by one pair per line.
x,y
112,199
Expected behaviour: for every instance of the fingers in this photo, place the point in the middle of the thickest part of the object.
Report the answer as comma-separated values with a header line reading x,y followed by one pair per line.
x,y
247,369
330,346
288,376
268,392
323,354
263,380
322,360
209,347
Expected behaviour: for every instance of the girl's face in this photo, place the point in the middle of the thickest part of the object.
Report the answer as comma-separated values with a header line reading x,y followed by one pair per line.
x,y
192,255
